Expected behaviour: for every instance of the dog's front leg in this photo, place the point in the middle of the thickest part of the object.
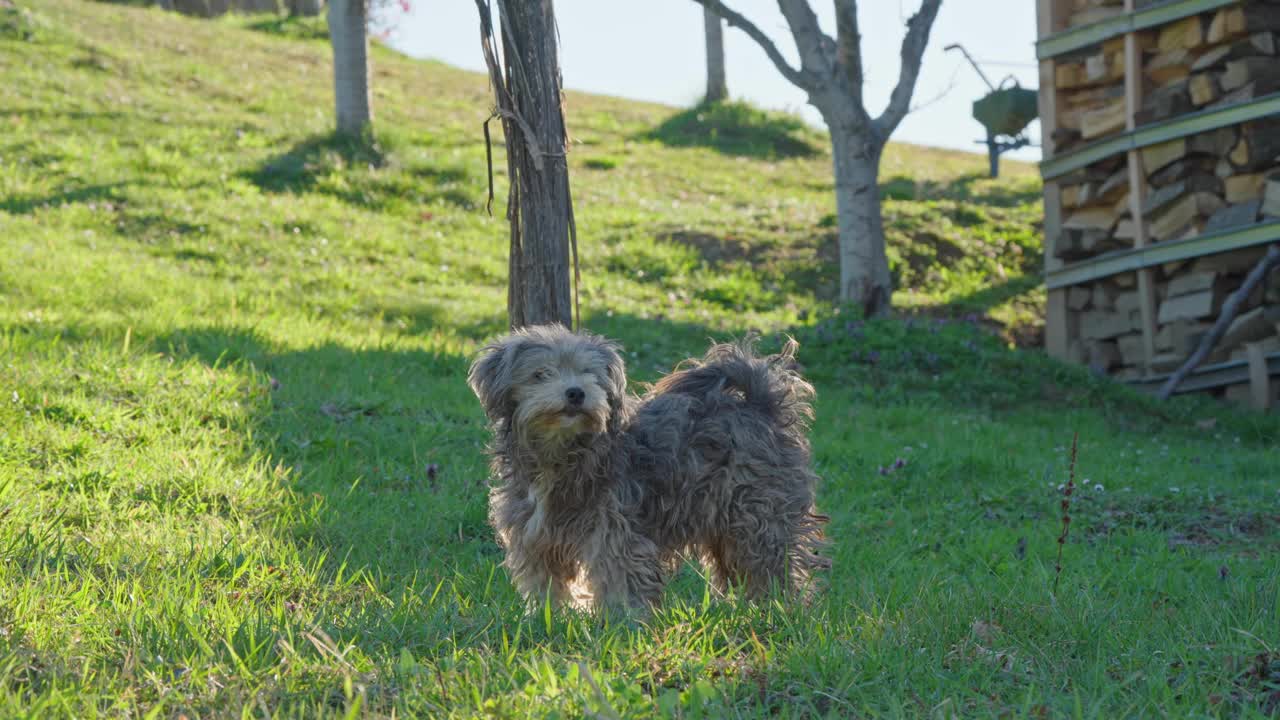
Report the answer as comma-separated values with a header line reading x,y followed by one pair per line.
x,y
624,569
539,573
538,567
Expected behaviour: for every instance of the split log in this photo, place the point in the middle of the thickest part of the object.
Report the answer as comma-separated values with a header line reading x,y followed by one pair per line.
x,y
1162,197
1165,102
1183,168
1234,216
1185,211
1250,326
1169,67
1192,306
1156,157
1105,120
1191,282
1180,336
1242,20
1258,147
1239,188
1204,88
1263,43
1271,197
1185,34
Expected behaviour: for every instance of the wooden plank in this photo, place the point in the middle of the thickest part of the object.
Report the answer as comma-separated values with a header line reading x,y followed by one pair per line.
x,y
1061,164
1210,377
1054,44
1116,264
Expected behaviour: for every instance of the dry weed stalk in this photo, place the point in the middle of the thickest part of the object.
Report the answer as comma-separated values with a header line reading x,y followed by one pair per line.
x,y
1066,511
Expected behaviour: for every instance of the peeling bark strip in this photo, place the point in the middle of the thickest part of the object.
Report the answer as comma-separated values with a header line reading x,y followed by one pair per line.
x,y
831,72
527,98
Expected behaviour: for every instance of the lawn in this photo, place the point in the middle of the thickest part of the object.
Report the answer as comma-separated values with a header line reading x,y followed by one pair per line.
x,y
241,473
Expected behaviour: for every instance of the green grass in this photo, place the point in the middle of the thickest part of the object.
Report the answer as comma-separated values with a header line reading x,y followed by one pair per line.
x,y
241,473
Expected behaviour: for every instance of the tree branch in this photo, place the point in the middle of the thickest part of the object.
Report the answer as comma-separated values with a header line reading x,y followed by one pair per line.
x,y
1229,311
817,51
735,19
913,45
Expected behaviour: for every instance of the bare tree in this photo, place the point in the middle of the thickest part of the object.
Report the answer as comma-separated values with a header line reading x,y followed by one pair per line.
x,y
349,35
831,73
527,94
717,87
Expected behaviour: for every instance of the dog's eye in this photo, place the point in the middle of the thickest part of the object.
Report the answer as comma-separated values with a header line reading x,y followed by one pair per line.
x,y
542,375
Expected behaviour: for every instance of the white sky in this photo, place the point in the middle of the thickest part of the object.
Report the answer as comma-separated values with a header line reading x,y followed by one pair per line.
x,y
653,50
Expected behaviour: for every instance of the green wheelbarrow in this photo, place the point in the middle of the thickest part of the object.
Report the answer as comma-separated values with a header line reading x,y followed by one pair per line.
x,y
1005,112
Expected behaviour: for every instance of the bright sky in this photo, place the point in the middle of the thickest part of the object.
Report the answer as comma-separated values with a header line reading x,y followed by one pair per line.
x,y
653,50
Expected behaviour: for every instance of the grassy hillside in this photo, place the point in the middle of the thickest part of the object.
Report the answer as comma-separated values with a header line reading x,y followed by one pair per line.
x,y
241,473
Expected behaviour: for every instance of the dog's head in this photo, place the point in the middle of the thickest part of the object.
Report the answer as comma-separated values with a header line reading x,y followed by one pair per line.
x,y
548,384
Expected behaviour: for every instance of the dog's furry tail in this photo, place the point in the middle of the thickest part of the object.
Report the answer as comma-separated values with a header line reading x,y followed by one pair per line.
x,y
771,384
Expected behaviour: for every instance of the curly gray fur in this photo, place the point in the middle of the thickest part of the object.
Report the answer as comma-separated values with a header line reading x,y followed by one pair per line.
x,y
599,494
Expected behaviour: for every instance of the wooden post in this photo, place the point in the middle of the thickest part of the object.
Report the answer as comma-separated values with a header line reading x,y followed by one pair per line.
x,y
1138,191
1259,378
1058,326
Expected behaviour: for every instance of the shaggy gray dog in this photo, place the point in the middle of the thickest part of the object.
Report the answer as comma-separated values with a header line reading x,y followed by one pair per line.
x,y
599,494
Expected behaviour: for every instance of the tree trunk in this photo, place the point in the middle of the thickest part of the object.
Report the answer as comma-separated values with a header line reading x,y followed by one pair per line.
x,y
717,88
540,210
864,267
348,32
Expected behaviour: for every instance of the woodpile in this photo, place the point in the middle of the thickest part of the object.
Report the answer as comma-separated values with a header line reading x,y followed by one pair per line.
x,y
1195,185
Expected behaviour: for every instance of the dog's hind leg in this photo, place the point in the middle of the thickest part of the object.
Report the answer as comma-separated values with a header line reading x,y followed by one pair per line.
x,y
770,542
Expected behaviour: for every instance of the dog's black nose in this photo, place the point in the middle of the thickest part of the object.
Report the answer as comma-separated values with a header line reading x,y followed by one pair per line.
x,y
575,396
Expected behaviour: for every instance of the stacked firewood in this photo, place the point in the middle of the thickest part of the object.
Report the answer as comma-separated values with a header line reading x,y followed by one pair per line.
x,y
1207,61
1215,181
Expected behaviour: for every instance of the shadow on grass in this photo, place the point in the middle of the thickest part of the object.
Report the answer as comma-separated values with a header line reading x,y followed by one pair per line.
x,y
736,128
389,441
76,116
403,427
359,171
990,297
107,192
296,28
962,189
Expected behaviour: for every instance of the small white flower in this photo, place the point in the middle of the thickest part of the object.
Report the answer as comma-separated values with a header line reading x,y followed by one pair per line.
x,y
1097,488
1174,490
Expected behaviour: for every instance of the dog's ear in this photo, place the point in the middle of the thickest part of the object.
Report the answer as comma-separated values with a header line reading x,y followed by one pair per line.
x,y
490,375
616,368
